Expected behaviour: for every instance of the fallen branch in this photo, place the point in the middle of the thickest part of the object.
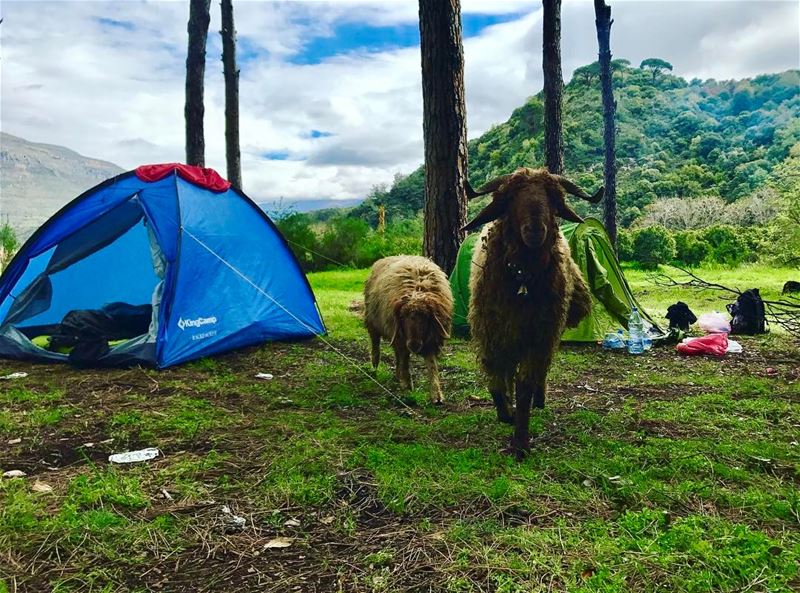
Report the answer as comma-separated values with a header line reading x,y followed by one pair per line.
x,y
784,313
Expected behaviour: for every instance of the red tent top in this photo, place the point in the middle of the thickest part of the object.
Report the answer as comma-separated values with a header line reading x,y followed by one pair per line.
x,y
204,177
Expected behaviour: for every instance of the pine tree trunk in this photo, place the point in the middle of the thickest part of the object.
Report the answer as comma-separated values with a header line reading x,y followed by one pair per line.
x,y
553,86
232,153
444,129
603,22
199,18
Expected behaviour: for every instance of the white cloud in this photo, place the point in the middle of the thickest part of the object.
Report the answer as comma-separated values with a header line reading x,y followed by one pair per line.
x,y
115,91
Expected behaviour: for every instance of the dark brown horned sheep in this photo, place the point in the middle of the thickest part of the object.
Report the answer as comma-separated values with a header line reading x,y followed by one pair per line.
x,y
407,300
524,289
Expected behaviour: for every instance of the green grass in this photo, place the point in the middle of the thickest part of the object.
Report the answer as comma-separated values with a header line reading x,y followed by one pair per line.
x,y
648,473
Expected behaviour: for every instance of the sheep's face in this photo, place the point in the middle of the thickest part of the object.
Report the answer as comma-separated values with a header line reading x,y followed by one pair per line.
x,y
419,326
528,201
530,216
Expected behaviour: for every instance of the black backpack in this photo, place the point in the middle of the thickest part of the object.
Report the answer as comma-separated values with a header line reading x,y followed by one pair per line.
x,y
748,314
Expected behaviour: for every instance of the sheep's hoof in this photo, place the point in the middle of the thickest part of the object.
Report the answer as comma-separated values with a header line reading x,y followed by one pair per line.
x,y
520,447
506,417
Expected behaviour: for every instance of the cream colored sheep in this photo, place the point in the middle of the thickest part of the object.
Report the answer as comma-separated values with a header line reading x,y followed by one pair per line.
x,y
407,301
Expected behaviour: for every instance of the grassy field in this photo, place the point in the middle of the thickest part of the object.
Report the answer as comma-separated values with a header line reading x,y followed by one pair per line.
x,y
651,473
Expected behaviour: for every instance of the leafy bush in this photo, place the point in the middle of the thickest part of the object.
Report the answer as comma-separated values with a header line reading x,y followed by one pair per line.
x,y
341,240
690,249
8,244
625,246
727,245
652,246
296,228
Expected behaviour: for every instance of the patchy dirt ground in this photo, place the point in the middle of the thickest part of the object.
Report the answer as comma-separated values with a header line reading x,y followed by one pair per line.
x,y
648,472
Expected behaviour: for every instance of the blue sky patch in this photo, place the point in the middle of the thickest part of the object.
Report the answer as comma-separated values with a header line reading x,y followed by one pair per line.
x,y
319,134
115,24
275,155
358,37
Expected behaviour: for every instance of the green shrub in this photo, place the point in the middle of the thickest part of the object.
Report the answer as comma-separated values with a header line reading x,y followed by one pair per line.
x,y
727,244
296,228
625,246
690,249
341,240
653,245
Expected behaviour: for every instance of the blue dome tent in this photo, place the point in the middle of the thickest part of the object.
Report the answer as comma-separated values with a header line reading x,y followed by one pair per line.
x,y
156,266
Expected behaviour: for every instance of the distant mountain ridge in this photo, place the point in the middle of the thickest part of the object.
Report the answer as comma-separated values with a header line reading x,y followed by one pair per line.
x,y
37,179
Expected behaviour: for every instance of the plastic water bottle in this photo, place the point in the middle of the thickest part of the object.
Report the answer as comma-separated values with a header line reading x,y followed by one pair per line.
x,y
614,341
635,333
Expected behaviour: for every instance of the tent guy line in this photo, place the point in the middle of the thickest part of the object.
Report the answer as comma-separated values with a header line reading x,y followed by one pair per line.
x,y
352,362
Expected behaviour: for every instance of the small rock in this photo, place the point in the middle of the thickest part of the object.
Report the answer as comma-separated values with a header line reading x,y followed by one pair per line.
x,y
278,542
16,441
14,473
41,487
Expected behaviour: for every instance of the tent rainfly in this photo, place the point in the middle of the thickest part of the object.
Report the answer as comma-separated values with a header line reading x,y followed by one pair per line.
x,y
156,266
590,247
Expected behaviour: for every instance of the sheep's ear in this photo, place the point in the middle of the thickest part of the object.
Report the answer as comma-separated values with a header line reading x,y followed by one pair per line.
x,y
493,211
564,211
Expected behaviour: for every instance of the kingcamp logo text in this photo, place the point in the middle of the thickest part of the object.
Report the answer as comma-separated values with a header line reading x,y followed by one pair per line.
x,y
199,322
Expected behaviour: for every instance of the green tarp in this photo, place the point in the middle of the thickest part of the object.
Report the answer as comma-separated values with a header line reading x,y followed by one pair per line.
x,y
591,249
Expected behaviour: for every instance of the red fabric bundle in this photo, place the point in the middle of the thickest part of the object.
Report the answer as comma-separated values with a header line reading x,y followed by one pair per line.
x,y
204,177
716,344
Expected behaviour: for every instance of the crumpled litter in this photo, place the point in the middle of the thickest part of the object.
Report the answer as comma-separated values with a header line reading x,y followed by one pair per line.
x,y
134,456
13,376
232,523
715,344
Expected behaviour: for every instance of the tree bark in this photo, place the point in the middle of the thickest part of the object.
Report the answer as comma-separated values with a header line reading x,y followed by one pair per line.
x,y
199,18
444,129
603,22
233,155
553,86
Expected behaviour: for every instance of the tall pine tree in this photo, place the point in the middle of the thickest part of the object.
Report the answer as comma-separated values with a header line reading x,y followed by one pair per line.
x,y
603,22
444,128
553,86
199,18
233,155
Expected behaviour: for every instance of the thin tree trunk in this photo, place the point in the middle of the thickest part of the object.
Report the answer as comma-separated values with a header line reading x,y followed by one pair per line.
x,y
444,129
603,22
553,86
232,153
199,18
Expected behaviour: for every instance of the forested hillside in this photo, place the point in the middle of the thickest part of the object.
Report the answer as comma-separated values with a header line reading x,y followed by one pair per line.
x,y
674,139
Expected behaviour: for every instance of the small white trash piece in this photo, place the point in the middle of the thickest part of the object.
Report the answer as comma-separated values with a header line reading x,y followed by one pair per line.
x,y
14,376
265,376
14,473
134,456
734,347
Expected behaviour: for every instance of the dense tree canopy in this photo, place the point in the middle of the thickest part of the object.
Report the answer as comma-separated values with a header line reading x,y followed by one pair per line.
x,y
709,138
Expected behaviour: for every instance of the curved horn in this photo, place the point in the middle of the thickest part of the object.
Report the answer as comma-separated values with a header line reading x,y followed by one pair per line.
x,y
573,189
487,188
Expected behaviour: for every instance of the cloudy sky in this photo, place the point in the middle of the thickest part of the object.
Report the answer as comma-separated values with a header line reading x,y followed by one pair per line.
x,y
330,91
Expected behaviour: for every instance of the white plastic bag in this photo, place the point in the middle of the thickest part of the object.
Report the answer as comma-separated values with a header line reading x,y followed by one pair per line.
x,y
734,347
714,323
